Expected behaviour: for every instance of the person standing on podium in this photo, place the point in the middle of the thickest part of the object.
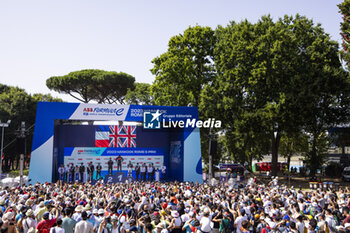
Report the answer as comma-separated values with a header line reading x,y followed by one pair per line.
x,y
110,167
119,160
130,167
98,171
143,172
137,171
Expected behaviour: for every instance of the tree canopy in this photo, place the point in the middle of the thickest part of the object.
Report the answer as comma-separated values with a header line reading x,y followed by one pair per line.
x,y
98,85
17,105
273,78
183,70
141,95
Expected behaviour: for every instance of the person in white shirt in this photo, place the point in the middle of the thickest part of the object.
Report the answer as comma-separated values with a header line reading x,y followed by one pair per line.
x,y
150,172
29,221
239,220
84,226
66,173
205,223
77,215
157,175
61,170
300,224
329,219
143,172
58,228
163,169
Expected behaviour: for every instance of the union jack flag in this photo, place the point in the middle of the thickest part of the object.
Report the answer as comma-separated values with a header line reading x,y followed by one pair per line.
x,y
116,136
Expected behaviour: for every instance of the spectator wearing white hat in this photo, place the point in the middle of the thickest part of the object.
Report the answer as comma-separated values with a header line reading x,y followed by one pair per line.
x,y
29,222
9,222
99,218
77,215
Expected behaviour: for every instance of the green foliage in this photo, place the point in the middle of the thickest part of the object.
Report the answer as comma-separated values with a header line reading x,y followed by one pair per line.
x,y
183,71
293,144
317,154
98,85
275,78
141,95
185,68
334,169
17,105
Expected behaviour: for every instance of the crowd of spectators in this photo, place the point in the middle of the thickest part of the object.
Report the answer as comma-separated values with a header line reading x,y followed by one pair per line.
x,y
146,207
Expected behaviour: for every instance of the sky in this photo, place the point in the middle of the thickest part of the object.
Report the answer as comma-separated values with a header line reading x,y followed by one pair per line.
x,y
41,38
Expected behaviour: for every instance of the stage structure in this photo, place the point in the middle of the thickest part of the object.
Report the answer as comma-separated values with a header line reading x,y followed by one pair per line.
x,y
140,134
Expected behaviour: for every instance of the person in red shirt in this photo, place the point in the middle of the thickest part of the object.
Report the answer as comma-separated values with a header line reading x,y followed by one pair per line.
x,y
46,224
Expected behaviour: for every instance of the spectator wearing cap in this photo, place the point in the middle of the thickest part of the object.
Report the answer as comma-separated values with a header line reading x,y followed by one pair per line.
x,y
29,222
46,224
68,223
84,226
99,218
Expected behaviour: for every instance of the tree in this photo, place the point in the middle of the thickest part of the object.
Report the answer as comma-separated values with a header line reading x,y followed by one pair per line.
x,y
185,68
141,95
98,85
271,75
17,105
183,71
293,144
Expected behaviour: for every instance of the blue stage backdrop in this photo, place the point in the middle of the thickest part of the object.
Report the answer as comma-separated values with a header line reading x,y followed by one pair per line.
x,y
55,143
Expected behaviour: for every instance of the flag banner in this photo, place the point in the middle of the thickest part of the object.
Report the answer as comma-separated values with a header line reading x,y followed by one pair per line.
x,y
115,136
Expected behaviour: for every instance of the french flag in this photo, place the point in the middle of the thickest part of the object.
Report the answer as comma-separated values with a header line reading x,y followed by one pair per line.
x,y
102,136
